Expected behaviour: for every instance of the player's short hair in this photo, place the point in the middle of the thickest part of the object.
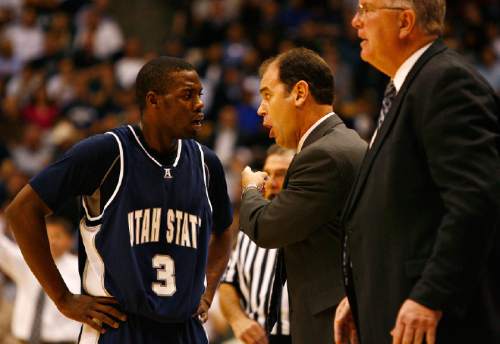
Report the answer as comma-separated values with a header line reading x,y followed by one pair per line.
x,y
430,14
59,221
304,64
156,76
276,149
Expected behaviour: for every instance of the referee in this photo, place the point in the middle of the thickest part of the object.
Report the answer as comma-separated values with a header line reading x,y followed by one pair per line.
x,y
246,287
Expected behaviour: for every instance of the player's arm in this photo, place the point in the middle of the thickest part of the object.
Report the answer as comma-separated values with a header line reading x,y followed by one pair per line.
x,y
26,217
315,193
245,329
219,249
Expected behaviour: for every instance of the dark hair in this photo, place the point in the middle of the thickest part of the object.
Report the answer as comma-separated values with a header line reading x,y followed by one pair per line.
x,y
304,64
156,76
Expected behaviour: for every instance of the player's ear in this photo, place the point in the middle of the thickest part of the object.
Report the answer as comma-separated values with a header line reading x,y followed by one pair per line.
x,y
152,99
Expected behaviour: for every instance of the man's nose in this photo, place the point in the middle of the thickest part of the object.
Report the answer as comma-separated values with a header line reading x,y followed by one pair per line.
x,y
261,111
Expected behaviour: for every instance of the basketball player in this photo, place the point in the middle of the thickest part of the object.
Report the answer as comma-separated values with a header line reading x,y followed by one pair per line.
x,y
152,200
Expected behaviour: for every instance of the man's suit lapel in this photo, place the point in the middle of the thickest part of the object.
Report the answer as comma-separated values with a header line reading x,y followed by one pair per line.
x,y
318,132
437,47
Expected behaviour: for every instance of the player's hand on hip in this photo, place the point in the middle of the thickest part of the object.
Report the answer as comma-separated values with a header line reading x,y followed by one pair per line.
x,y
415,323
91,310
343,324
249,177
249,331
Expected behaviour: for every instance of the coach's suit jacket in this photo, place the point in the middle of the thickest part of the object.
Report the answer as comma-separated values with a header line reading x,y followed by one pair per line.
x,y
422,217
302,219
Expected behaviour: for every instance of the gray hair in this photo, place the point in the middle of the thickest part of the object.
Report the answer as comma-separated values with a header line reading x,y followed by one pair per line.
x,y
430,14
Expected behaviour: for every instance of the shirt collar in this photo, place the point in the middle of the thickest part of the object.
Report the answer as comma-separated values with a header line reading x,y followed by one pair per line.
x,y
404,69
309,131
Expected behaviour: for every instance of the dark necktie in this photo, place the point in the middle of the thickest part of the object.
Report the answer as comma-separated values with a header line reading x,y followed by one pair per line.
x,y
277,291
36,327
389,95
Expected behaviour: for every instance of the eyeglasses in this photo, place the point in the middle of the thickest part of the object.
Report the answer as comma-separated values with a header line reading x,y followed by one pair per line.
x,y
363,9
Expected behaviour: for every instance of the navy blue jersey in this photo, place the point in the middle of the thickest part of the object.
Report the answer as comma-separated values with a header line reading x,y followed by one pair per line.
x,y
146,223
148,246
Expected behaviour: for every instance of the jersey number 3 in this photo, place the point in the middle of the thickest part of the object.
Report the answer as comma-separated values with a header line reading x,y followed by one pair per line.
x,y
165,275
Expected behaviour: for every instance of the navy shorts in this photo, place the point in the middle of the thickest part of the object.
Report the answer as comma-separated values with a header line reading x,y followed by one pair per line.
x,y
140,330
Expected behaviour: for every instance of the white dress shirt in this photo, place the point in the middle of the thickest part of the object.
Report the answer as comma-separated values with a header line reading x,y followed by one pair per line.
x,y
309,131
405,68
55,326
402,73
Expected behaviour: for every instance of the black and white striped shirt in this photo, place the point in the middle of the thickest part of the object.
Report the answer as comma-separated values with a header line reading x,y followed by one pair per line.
x,y
251,272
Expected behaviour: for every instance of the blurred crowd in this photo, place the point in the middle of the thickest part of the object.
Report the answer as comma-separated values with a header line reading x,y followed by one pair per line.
x,y
67,71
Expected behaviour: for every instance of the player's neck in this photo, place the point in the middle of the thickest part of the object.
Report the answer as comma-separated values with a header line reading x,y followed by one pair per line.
x,y
158,140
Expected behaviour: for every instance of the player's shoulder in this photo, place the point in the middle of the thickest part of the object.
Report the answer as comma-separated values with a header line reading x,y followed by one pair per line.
x,y
100,144
211,159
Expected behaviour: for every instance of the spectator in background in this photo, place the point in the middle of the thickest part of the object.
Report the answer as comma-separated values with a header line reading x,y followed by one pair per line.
x,y
27,36
127,67
10,64
226,134
211,70
61,85
489,67
80,111
101,35
32,154
60,30
22,86
11,181
41,110
35,317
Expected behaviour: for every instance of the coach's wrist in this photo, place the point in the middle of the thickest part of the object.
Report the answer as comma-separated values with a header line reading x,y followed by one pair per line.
x,y
249,187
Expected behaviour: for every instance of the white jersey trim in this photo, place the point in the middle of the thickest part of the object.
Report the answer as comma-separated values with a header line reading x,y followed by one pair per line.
x,y
179,149
89,335
204,175
93,274
122,158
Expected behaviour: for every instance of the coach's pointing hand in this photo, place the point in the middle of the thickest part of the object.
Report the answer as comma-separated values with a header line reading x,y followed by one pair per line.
x,y
91,310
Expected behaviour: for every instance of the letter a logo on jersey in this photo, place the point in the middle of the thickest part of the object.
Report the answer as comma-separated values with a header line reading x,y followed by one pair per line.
x,y
168,174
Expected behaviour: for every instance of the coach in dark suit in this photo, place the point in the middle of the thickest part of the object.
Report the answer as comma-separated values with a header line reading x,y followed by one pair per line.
x,y
421,220
297,96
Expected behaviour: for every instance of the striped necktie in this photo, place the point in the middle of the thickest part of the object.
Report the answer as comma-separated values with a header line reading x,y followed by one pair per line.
x,y
389,95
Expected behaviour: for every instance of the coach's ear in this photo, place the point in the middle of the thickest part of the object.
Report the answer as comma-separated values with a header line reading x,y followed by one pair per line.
x,y
152,99
407,22
300,92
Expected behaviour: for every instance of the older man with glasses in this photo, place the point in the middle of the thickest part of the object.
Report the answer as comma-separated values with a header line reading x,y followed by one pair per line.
x,y
420,257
